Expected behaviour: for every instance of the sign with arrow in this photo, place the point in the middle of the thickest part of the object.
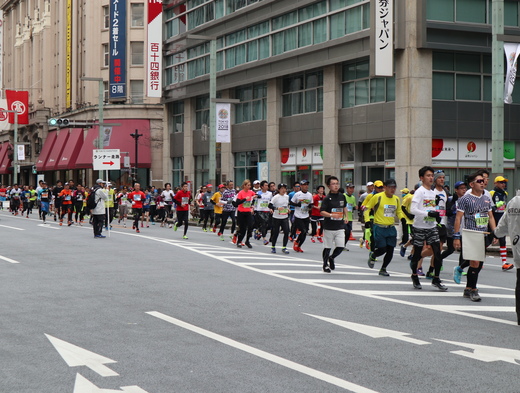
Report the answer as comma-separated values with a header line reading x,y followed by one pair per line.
x,y
372,331
83,385
76,356
106,159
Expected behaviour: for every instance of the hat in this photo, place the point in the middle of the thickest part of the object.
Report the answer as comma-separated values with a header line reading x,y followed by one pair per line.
x,y
378,183
221,186
256,182
390,183
209,185
405,191
370,183
100,181
500,178
349,185
304,182
459,183
282,185
438,174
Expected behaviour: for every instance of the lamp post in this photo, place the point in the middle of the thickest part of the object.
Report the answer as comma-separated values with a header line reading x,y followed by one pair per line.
x,y
100,106
136,136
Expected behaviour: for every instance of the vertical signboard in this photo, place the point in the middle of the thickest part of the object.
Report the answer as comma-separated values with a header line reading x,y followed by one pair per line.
x,y
1,47
382,39
154,49
68,57
223,123
117,83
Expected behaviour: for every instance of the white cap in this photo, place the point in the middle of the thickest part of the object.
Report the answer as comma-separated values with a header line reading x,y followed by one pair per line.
x,y
370,183
100,181
256,182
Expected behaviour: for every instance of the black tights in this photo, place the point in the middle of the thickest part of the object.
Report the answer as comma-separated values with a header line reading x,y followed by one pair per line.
x,y
473,275
389,251
277,224
436,248
326,254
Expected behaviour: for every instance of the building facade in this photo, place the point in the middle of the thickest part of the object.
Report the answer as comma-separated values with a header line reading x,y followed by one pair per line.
x,y
49,48
309,104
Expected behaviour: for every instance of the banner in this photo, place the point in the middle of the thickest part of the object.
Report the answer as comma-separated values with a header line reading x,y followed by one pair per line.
x,y
473,245
18,101
223,123
117,68
21,152
68,57
154,49
512,52
383,37
107,134
4,118
1,47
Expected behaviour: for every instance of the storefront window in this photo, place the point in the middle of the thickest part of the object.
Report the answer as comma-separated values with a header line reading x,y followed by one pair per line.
x,y
246,165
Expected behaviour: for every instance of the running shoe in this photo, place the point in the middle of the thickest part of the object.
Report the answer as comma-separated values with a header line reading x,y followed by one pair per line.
x,y
332,265
410,257
402,252
99,237
137,230
361,243
313,240
170,225
239,245
248,245
273,250
124,225
174,227
383,272
320,239
266,242
345,249
416,282
466,293
438,283
222,237
204,230
142,225
429,276
457,274
371,261
214,229
234,239
185,237
326,269
420,272
285,250
61,223
506,267
474,296
69,223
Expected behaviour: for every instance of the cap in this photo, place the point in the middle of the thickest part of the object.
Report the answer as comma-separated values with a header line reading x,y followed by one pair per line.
x,y
209,185
370,183
349,185
221,186
459,183
405,191
304,182
378,183
390,183
282,185
100,181
438,174
256,182
500,178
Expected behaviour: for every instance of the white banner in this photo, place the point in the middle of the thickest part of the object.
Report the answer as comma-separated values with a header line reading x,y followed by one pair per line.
x,y
384,37
21,152
223,123
473,245
154,49
1,48
512,52
107,134
4,116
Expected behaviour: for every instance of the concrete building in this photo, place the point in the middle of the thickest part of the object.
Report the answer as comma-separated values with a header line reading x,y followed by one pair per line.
x,y
309,106
48,47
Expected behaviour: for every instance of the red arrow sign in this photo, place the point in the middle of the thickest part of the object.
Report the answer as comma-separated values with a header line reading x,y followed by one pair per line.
x,y
109,163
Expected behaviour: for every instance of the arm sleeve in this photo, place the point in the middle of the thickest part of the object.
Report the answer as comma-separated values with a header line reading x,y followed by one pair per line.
x,y
368,208
416,209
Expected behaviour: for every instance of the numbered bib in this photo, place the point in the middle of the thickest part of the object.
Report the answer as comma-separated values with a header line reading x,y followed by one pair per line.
x,y
337,210
137,197
283,211
184,200
389,210
482,220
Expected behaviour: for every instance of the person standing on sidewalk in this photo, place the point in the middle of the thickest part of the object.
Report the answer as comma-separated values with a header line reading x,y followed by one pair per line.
x,y
499,198
98,213
334,209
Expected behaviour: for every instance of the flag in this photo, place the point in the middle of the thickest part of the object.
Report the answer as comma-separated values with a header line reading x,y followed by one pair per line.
x,y
473,245
4,123
18,101
512,52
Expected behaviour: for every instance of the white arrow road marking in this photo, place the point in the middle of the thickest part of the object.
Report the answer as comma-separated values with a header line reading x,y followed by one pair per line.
x,y
83,385
372,331
8,259
18,229
264,355
76,356
485,353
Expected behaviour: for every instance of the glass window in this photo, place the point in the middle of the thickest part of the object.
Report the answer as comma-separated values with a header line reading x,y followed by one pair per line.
x,y
390,89
137,91
337,25
347,152
467,63
106,17
178,116
302,94
106,55
137,53
443,61
353,20
487,89
373,151
443,86
510,13
443,10
320,30
377,90
471,11
359,89
468,87
137,11
362,92
178,171
349,98
201,111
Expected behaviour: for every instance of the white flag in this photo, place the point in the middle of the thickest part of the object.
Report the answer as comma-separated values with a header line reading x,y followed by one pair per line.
x,y
21,152
4,116
512,52
107,134
473,245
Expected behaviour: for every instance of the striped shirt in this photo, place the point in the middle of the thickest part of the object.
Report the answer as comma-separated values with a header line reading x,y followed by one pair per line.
x,y
476,211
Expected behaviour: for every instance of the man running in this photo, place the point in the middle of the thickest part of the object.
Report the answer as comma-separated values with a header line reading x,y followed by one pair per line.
x,y
208,208
228,196
262,211
183,200
137,198
44,196
302,202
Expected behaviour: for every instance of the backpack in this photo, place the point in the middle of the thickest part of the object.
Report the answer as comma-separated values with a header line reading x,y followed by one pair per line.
x,y
91,199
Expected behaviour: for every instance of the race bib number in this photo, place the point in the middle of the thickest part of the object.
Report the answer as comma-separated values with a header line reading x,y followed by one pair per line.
x,y
184,200
247,204
137,197
337,210
442,212
67,197
45,195
319,203
482,220
350,208
264,205
161,204
283,211
79,197
389,210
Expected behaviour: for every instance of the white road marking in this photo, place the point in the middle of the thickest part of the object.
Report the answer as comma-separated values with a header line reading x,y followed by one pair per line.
x,y
17,229
372,331
48,226
83,385
76,356
485,353
264,355
426,293
8,259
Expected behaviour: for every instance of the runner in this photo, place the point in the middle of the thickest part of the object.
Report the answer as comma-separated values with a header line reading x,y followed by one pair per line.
x,y
334,209
262,211
218,206
183,200
123,205
109,204
137,198
228,196
3,196
57,200
208,208
98,213
302,202
146,208
279,206
65,196
167,196
316,217
296,188
351,206
79,197
15,195
244,204
384,207
44,196
476,210
499,197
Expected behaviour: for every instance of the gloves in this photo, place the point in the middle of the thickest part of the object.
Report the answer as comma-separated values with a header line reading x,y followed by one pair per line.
x,y
436,215
368,225
368,234
403,221
437,199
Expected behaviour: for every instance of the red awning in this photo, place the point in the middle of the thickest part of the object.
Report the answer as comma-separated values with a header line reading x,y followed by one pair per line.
x,y
55,154
5,162
71,150
47,148
119,139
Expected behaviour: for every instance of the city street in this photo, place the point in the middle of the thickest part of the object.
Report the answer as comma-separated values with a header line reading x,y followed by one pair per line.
x,y
153,313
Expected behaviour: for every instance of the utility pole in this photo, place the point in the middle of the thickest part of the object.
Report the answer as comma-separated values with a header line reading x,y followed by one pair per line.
x,y
497,81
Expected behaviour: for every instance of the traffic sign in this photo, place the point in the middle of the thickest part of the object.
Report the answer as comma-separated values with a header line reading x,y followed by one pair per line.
x,y
106,159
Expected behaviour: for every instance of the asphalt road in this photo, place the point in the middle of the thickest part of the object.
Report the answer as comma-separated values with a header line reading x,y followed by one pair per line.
x,y
154,313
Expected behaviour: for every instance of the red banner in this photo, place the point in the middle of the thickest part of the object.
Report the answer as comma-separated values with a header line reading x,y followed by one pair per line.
x,y
18,101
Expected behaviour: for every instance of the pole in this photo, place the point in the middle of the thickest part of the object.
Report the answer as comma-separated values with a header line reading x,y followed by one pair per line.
x,y
136,153
212,111
107,205
497,80
15,147
100,114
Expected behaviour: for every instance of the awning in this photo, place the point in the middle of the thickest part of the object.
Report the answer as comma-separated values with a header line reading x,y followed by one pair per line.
x,y
120,139
71,150
47,148
55,154
5,162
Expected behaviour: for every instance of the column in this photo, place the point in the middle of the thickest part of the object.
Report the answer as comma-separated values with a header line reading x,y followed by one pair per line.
x,y
413,105
331,103
189,126
274,107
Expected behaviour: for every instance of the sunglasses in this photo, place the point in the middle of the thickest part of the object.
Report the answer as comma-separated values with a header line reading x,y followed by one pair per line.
x,y
480,181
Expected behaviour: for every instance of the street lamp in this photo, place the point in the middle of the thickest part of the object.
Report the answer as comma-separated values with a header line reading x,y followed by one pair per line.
x,y
136,136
